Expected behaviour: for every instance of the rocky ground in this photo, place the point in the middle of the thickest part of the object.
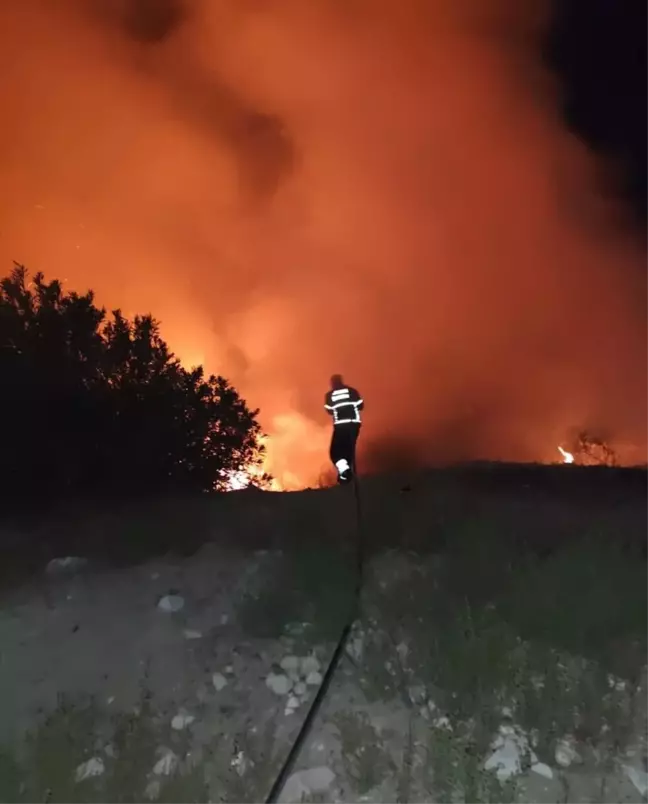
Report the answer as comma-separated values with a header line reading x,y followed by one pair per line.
x,y
187,679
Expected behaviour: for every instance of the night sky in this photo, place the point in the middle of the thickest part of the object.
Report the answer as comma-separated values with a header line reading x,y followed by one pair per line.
x,y
598,47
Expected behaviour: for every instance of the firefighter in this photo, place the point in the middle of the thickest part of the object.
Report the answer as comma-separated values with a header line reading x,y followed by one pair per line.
x,y
344,404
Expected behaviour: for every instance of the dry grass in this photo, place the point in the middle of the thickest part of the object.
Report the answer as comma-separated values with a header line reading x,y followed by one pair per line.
x,y
521,587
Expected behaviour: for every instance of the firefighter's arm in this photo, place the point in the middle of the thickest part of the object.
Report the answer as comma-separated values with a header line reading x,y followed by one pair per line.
x,y
327,405
359,400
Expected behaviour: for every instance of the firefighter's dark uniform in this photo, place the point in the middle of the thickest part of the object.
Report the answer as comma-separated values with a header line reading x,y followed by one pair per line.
x,y
344,405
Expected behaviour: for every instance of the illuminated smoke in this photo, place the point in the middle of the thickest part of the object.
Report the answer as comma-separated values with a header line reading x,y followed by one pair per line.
x,y
297,188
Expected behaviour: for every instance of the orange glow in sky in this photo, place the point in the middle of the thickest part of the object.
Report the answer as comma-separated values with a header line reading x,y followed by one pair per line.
x,y
295,189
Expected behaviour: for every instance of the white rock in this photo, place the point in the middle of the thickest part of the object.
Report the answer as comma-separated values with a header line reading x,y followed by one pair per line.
x,y
566,754
224,619
181,721
190,634
219,681
240,763
615,683
290,664
229,669
171,603
300,688
153,789
509,750
314,678
442,722
87,770
639,779
279,683
305,783
542,769
417,693
310,664
67,564
167,764
428,710
292,703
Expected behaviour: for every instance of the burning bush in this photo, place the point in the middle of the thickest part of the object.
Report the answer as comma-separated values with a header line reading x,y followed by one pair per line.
x,y
589,450
593,451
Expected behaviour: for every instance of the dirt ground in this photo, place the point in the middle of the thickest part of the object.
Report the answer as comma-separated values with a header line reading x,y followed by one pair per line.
x,y
479,670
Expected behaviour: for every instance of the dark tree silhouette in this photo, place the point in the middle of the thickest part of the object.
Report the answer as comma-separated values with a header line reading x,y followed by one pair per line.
x,y
94,405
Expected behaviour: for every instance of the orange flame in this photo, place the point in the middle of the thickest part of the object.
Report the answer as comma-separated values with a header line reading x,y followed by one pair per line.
x,y
257,472
567,456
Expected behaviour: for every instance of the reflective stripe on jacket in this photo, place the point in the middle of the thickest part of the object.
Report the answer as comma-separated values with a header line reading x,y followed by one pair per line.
x,y
344,404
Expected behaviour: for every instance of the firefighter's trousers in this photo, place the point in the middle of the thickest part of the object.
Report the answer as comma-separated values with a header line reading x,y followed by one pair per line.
x,y
343,449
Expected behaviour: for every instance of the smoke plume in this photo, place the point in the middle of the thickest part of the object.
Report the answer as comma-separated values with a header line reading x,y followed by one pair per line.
x,y
382,189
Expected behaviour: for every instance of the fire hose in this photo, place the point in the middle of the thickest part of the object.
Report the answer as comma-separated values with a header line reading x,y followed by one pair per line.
x,y
307,725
